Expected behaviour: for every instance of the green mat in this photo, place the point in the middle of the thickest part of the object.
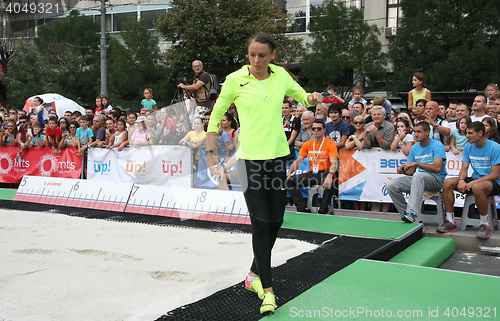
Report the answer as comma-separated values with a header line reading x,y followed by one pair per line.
x,y
7,193
374,290
428,251
347,225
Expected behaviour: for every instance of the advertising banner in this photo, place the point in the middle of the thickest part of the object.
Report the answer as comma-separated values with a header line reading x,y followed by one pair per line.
x,y
161,165
38,162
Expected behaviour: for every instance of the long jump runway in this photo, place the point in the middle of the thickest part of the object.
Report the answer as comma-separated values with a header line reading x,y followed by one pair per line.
x,y
324,267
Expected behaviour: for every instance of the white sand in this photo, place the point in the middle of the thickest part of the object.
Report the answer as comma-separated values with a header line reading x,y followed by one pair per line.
x,y
57,267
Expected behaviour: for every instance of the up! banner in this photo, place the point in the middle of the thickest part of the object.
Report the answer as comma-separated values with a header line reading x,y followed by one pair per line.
x,y
37,161
162,165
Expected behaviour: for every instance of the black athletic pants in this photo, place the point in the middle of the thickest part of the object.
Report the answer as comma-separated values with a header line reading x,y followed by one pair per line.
x,y
263,184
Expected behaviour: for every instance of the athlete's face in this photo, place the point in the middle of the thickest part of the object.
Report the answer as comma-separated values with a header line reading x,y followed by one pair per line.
x,y
260,55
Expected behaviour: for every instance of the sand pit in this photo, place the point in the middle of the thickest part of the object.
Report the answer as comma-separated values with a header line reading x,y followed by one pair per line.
x,y
57,267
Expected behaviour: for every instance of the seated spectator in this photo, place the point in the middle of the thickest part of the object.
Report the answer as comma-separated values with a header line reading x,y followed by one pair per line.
x,y
119,139
380,132
140,136
9,136
69,138
53,135
338,129
458,135
440,129
425,170
38,138
484,157
99,132
323,160
306,132
404,137
490,131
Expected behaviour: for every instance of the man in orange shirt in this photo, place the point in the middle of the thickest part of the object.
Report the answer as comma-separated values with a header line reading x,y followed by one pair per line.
x,y
323,161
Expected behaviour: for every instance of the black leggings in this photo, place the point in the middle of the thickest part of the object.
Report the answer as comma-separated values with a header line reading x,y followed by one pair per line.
x,y
263,184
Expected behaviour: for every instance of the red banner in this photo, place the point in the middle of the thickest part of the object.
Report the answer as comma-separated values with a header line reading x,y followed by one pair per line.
x,y
38,162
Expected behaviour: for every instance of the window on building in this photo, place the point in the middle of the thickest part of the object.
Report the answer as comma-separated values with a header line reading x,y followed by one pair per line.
x,y
394,12
150,16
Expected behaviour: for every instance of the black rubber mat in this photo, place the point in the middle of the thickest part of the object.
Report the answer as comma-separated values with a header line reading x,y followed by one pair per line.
x,y
289,280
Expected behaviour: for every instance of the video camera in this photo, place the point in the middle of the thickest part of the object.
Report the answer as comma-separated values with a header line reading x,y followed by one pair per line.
x,y
175,78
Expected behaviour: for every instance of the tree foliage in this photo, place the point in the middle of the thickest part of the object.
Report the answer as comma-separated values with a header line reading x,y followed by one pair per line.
x,y
216,32
343,43
136,65
453,42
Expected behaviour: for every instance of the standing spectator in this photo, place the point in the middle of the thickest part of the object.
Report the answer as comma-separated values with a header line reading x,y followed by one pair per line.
x,y
105,105
404,137
357,96
38,138
484,157
333,98
439,127
110,128
120,137
200,88
69,138
99,132
85,137
442,111
148,102
300,111
380,132
229,125
13,115
98,109
195,138
338,129
425,170
458,135
418,111
53,135
355,141
9,136
291,125
451,112
67,116
479,108
153,130
63,124
24,135
419,92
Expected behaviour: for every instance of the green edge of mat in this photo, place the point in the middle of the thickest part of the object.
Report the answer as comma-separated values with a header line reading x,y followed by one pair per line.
x,y
428,251
7,193
383,287
347,225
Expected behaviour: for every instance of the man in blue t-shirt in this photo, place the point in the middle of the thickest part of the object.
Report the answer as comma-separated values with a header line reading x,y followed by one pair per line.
x,y
338,129
425,170
484,157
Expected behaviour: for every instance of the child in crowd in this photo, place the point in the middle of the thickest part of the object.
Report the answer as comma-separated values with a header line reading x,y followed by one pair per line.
x,y
53,135
98,105
148,102
105,105
491,92
120,137
85,136
333,98
38,138
419,92
357,96
490,129
404,137
9,136
458,135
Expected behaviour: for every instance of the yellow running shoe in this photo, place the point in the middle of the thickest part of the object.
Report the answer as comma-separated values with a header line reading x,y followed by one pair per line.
x,y
269,304
255,286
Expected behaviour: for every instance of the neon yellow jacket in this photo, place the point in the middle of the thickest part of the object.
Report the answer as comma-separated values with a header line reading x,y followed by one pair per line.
x,y
259,104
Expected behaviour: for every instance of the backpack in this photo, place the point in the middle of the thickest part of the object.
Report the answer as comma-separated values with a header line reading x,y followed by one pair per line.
x,y
214,88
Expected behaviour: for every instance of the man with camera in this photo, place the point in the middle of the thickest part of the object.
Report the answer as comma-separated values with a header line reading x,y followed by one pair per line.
x,y
200,87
